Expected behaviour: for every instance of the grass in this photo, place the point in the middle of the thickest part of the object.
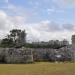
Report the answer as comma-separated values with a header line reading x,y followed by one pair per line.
x,y
41,68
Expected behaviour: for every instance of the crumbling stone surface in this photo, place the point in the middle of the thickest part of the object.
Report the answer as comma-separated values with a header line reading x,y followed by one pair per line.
x,y
29,55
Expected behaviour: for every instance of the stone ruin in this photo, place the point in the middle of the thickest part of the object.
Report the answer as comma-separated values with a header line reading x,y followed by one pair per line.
x,y
14,55
29,55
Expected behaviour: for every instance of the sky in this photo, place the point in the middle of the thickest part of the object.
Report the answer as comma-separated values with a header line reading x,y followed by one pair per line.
x,y
43,20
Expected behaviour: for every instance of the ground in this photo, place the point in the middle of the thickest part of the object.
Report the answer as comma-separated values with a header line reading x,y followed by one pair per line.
x,y
41,68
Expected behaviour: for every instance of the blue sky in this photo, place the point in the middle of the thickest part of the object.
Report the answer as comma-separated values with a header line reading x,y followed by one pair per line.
x,y
39,10
39,17
45,10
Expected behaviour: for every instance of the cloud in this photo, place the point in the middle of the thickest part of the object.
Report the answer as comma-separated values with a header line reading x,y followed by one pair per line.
x,y
15,10
69,27
9,22
65,3
68,1
42,31
34,34
54,10
48,26
47,30
4,22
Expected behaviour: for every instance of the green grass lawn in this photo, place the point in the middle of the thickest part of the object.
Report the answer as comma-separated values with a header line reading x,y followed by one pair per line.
x,y
41,68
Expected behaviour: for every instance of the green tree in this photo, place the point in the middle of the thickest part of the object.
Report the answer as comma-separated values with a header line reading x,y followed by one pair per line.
x,y
14,34
15,38
7,42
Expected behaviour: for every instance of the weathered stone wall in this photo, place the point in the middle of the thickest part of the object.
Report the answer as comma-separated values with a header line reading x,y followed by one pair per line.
x,y
28,55
14,55
63,54
69,51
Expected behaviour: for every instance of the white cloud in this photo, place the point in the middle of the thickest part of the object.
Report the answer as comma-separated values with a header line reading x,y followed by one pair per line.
x,y
43,31
9,22
4,21
38,35
48,26
47,30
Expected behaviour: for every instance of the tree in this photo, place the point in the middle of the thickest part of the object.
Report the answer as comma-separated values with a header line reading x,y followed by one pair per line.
x,y
14,34
18,36
15,38
7,42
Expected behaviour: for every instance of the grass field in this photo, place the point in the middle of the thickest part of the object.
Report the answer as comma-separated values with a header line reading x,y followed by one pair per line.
x,y
41,68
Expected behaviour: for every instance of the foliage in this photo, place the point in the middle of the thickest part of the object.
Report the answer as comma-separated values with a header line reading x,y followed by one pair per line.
x,y
14,38
55,45
7,42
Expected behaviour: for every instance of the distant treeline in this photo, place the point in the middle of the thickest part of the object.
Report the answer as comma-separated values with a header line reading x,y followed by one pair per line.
x,y
17,38
54,45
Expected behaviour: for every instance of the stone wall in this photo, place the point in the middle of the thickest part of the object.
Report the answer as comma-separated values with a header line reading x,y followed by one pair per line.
x,y
29,55
14,55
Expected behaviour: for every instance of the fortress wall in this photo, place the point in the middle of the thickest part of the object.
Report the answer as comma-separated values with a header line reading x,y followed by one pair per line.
x,y
28,55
